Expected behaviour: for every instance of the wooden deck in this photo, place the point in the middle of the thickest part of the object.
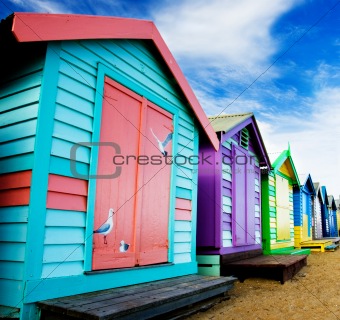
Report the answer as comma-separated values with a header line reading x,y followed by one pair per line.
x,y
335,240
142,301
278,267
317,245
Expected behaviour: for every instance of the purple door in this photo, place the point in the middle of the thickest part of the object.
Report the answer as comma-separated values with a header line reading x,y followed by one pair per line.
x,y
243,213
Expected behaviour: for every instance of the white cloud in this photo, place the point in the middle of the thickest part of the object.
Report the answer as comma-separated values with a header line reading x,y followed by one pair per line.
x,y
41,6
314,141
223,46
235,33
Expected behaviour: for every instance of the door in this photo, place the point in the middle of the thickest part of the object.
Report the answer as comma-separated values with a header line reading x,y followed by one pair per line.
x,y
156,189
282,208
243,219
306,211
137,231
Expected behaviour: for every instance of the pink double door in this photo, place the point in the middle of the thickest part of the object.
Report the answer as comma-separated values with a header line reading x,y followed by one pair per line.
x,y
139,195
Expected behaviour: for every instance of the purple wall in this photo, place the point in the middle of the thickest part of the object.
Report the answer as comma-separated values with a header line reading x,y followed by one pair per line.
x,y
209,180
229,205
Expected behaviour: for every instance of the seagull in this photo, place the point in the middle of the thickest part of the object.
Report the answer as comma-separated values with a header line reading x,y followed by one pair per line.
x,y
162,145
107,226
123,246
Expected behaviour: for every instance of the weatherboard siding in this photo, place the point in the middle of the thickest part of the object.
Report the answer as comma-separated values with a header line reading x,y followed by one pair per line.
x,y
19,99
302,214
133,62
220,175
226,201
252,227
317,227
14,200
269,215
63,252
13,230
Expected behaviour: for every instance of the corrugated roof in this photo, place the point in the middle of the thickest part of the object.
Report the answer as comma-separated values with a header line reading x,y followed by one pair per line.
x,y
28,27
226,122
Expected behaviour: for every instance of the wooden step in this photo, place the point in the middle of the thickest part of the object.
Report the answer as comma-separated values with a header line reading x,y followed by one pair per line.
x,y
142,301
279,267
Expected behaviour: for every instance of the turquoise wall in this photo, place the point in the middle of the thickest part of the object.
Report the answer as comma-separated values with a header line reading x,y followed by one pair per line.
x,y
19,99
58,242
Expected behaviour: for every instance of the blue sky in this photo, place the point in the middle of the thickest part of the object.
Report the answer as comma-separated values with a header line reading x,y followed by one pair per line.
x,y
222,46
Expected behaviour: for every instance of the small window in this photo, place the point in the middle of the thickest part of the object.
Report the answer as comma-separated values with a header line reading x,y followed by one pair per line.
x,y
244,138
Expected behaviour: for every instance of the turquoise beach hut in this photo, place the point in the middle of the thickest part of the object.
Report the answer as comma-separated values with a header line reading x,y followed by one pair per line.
x,y
78,95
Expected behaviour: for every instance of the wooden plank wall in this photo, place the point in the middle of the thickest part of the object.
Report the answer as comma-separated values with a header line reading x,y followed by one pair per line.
x,y
317,228
298,218
19,99
74,117
227,182
274,244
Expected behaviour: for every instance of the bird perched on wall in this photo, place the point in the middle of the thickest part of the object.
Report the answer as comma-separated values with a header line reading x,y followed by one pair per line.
x,y
123,246
162,145
107,226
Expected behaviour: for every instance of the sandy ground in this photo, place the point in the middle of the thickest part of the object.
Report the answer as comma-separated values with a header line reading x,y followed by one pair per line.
x,y
314,293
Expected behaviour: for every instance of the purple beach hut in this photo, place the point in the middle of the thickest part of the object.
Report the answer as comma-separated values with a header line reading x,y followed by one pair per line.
x,y
229,195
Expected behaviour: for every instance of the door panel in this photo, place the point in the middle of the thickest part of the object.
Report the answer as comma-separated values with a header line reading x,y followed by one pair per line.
x,y
250,203
239,198
121,118
140,195
282,209
156,190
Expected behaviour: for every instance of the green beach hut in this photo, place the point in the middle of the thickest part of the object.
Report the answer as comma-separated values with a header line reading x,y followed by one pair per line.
x,y
277,206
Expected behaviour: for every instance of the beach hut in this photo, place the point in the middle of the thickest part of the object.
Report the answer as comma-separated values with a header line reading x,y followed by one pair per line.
x,y
277,206
318,201
325,213
332,218
325,242
229,194
91,109
303,209
337,203
330,223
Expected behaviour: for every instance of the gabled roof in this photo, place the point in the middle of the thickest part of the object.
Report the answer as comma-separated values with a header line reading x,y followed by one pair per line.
x,y
306,182
318,190
324,194
337,203
230,124
285,157
37,27
331,202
